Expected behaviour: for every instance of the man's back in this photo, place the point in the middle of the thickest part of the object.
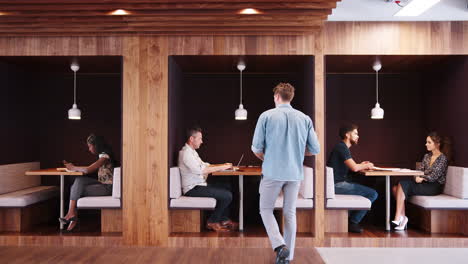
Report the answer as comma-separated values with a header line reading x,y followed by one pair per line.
x,y
283,134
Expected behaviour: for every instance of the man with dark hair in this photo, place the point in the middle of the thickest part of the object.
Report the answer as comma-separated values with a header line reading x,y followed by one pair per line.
x,y
194,173
283,136
341,161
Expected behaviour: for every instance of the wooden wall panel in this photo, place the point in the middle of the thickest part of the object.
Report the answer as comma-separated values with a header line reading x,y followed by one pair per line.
x,y
396,37
145,123
111,220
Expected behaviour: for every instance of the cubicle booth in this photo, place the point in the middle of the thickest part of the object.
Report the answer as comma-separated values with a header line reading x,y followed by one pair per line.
x,y
206,91
419,94
37,93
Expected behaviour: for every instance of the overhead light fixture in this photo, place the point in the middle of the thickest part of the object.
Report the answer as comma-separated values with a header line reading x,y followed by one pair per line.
x,y
416,7
377,112
249,11
120,12
241,113
74,113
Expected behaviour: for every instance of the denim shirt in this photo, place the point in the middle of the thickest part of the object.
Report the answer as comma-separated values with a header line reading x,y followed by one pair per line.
x,y
283,134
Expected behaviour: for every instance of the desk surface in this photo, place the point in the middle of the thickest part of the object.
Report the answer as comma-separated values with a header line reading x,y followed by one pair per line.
x,y
246,171
392,173
53,171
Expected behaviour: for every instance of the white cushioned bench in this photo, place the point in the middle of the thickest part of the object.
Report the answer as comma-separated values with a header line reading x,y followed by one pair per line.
x,y
343,201
305,199
178,201
454,196
111,201
446,212
22,196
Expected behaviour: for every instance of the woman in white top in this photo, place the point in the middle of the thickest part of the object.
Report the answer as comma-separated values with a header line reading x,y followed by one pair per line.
x,y
87,186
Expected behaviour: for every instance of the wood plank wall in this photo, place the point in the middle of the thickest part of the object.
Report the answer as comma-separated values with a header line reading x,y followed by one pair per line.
x,y
145,85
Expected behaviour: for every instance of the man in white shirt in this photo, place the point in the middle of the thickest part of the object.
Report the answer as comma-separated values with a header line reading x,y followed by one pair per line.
x,y
194,173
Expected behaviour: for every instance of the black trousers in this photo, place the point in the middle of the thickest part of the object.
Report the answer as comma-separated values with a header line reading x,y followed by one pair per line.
x,y
223,200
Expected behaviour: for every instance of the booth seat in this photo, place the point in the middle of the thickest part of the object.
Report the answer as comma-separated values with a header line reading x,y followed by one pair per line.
x,y
110,206
338,205
451,205
21,197
305,199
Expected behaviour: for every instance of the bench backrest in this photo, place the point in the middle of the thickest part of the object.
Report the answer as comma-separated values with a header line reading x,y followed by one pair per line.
x,y
307,185
330,190
13,178
457,182
175,185
116,183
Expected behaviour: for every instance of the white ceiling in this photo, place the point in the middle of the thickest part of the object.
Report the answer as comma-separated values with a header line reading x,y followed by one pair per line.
x,y
381,10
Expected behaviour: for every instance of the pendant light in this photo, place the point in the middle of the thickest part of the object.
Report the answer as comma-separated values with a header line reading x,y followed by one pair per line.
x,y
377,112
74,113
241,113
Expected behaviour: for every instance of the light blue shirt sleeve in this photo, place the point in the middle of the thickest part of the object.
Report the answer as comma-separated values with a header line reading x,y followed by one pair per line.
x,y
313,145
258,142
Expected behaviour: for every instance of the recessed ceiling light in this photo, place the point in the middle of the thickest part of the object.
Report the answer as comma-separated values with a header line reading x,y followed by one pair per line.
x,y
249,11
416,7
120,12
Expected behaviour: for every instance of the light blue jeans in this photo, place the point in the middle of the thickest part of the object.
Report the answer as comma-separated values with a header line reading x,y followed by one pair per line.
x,y
269,191
345,187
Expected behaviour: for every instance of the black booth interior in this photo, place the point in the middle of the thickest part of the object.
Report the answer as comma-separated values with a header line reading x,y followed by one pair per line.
x,y
37,93
205,91
419,94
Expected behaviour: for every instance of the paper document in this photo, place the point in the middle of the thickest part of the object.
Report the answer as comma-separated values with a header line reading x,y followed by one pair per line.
x,y
385,169
64,169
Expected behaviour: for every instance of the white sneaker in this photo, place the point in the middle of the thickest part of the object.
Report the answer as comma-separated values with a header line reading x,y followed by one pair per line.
x,y
403,225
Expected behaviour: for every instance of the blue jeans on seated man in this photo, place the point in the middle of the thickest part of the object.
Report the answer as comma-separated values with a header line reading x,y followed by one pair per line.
x,y
352,188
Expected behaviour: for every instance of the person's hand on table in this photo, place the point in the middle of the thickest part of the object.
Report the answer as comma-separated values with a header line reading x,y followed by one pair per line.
x,y
227,166
69,165
418,179
368,165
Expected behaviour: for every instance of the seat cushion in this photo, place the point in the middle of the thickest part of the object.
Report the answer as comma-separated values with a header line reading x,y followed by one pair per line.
x,y
457,182
116,183
193,202
439,201
344,201
98,202
307,185
175,185
330,183
301,203
28,196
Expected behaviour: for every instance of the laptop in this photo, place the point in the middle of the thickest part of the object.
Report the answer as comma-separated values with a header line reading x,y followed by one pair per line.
x,y
238,163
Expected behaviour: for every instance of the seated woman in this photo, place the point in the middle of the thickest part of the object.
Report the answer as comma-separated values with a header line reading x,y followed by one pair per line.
x,y
434,165
87,186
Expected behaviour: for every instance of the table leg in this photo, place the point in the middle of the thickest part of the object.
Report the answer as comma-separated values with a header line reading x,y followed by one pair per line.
x,y
387,203
61,199
241,202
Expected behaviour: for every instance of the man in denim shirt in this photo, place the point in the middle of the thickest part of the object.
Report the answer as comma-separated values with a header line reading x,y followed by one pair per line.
x,y
283,136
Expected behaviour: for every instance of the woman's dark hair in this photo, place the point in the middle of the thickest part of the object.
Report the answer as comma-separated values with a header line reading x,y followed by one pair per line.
x,y
445,144
101,146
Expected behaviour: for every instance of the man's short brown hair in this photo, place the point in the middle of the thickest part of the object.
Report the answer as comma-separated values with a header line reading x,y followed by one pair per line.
x,y
285,91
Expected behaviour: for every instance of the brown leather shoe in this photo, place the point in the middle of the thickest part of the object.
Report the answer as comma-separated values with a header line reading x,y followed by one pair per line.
x,y
216,227
230,224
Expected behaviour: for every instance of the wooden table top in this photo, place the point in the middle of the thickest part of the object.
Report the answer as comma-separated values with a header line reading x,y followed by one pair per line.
x,y
243,170
53,171
392,173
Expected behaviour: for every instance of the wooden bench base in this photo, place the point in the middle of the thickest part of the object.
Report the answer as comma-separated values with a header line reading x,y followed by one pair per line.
x,y
111,220
23,219
438,221
185,220
336,221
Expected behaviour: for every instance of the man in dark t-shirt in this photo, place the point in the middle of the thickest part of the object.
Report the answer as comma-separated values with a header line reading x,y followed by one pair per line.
x,y
342,162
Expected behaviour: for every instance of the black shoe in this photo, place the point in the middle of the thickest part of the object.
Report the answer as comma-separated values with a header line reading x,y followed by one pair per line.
x,y
73,221
354,228
282,252
63,221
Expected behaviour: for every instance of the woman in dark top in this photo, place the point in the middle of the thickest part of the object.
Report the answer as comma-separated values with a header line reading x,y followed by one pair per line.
x,y
87,186
434,165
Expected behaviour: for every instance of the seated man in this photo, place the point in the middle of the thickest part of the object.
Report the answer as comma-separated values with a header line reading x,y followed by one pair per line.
x,y
194,172
341,161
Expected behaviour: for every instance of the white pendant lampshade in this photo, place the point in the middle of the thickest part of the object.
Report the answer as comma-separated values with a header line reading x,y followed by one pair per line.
x,y
74,113
241,113
377,112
